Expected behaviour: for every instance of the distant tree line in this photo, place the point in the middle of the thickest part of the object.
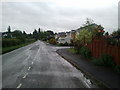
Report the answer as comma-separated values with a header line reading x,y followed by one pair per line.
x,y
42,35
17,37
37,34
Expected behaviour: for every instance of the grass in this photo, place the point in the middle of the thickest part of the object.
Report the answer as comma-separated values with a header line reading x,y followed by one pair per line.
x,y
8,49
72,50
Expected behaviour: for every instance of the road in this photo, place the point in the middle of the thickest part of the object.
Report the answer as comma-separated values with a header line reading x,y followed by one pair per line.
x,y
39,66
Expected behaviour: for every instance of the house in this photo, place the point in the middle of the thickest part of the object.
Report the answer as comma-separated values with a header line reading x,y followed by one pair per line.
x,y
72,34
7,35
63,38
90,28
60,34
60,37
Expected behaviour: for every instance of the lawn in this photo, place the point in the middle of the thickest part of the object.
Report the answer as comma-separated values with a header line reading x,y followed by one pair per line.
x,y
72,50
11,48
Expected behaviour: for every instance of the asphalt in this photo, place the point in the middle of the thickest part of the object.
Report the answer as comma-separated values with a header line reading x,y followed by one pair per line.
x,y
39,66
99,75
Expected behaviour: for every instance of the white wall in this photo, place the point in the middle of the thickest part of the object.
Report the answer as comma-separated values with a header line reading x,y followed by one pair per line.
x,y
63,40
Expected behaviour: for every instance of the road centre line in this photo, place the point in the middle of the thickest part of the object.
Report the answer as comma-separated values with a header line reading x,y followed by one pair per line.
x,y
25,75
19,85
87,85
36,54
32,62
29,68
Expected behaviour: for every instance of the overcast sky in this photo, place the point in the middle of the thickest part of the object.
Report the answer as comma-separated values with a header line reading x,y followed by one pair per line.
x,y
59,15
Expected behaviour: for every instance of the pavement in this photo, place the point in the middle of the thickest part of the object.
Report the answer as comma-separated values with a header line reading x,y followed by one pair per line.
x,y
99,75
39,66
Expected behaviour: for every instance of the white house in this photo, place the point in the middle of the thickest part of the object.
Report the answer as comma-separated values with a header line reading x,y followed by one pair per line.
x,y
64,40
64,37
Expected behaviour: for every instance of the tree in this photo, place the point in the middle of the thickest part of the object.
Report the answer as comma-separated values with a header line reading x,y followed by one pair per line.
x,y
52,41
9,32
98,31
24,33
17,33
9,29
39,30
84,36
35,34
35,31
50,32
88,22
39,33
116,34
106,34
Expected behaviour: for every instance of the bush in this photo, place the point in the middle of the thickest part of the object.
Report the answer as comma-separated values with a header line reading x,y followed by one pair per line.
x,y
10,42
105,60
71,42
60,44
15,45
85,52
63,44
97,61
85,36
72,50
111,41
77,44
52,41
117,68
66,44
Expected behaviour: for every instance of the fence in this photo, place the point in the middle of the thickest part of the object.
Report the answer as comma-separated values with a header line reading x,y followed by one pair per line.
x,y
99,46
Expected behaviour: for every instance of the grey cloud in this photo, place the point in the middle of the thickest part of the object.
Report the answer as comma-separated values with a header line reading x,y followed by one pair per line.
x,y
28,16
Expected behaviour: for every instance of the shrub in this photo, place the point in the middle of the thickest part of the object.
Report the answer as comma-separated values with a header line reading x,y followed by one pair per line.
x,y
10,42
111,41
85,36
63,44
105,60
71,42
66,44
72,50
97,61
85,52
52,41
77,45
60,44
117,68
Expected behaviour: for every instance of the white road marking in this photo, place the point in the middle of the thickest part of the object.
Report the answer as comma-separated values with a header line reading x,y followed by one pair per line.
x,y
36,54
87,85
19,85
32,62
89,82
29,68
25,75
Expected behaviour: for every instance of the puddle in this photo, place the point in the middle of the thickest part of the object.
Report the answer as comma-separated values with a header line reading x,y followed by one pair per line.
x,y
87,81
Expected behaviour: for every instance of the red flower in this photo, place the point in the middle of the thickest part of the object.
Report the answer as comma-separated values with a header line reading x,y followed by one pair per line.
x,y
101,31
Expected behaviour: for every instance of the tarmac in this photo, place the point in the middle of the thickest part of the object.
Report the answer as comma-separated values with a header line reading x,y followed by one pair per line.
x,y
104,77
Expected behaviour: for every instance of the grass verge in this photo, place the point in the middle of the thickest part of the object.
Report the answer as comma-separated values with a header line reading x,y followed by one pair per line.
x,y
8,49
72,50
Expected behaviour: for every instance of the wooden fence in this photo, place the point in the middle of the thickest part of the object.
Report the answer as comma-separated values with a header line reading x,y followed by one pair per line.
x,y
99,46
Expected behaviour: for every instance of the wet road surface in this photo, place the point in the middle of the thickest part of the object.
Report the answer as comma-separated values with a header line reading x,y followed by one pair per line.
x,y
39,66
